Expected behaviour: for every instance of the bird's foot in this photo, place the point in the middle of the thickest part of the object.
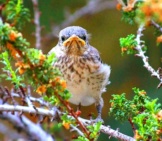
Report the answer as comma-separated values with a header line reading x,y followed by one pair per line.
x,y
98,119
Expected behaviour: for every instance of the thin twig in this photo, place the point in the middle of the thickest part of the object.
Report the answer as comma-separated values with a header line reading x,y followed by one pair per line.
x,y
74,128
71,111
10,96
132,125
26,97
37,24
156,25
141,54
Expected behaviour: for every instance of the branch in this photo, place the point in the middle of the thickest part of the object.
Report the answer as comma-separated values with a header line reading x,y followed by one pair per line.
x,y
141,54
5,129
156,25
53,113
37,24
92,7
107,130
23,124
31,110
115,134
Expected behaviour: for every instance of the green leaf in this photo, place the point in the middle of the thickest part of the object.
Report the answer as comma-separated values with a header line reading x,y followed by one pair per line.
x,y
128,44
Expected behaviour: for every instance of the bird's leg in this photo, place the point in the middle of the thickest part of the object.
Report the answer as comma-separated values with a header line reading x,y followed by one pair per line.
x,y
79,107
99,110
99,107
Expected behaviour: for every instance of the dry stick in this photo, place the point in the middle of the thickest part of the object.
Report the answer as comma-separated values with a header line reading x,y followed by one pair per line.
x,y
37,24
141,54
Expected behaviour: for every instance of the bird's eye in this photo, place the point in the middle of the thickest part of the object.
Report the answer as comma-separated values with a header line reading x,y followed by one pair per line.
x,y
63,38
83,37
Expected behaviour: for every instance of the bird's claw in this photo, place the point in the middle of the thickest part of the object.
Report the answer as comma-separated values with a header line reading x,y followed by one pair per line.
x,y
98,119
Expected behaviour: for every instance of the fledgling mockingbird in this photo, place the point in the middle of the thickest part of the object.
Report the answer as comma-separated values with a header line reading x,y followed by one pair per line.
x,y
81,67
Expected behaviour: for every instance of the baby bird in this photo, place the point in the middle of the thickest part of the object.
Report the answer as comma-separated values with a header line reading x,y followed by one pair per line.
x,y
81,67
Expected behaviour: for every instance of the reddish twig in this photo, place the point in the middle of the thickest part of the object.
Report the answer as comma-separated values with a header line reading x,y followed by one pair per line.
x,y
71,111
10,96
132,125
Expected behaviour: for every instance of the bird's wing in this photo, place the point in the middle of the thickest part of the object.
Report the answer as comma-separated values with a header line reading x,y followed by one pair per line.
x,y
94,52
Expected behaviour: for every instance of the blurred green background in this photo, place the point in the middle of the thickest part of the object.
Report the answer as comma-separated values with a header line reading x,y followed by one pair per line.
x,y
105,28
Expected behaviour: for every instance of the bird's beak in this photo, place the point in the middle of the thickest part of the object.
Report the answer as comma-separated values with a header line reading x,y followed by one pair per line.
x,y
74,41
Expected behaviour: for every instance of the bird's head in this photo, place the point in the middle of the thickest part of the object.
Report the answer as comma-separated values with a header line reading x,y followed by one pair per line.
x,y
73,40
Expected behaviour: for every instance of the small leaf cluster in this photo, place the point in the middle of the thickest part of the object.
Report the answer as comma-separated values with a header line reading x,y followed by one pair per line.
x,y
11,74
144,112
128,17
12,39
129,10
126,107
16,14
128,44
67,121
94,132
81,138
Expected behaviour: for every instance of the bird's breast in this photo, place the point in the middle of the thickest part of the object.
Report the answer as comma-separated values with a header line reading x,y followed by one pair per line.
x,y
74,67
84,78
